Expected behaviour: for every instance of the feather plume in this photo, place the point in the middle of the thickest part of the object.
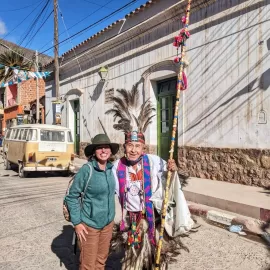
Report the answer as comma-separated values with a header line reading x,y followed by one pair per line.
x,y
144,257
128,113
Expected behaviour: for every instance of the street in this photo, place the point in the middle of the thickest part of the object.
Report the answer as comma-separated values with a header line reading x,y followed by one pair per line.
x,y
34,234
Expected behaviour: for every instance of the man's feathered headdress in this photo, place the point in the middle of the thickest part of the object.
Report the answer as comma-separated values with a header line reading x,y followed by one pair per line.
x,y
132,117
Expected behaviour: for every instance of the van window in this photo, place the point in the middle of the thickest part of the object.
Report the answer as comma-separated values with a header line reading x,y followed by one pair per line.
x,y
17,131
8,134
70,137
20,134
32,135
52,135
24,135
13,131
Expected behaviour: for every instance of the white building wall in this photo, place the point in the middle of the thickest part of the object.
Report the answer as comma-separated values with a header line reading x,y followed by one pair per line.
x,y
229,79
228,74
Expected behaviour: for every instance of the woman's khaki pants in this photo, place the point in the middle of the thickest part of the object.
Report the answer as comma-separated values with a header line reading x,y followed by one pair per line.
x,y
95,250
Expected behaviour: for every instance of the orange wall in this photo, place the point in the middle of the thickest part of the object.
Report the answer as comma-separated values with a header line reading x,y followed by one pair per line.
x,y
11,95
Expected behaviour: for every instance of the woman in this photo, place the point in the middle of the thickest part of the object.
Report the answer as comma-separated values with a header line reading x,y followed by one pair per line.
x,y
93,220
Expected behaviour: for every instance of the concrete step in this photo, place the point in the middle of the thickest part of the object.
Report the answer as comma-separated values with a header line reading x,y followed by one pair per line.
x,y
244,200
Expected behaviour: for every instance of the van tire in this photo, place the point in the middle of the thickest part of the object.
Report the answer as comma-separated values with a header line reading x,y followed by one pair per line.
x,y
7,164
22,172
65,174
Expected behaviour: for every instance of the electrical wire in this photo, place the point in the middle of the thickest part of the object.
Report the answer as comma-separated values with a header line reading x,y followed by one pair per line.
x,y
96,4
94,24
70,40
121,42
20,23
33,36
7,47
44,18
79,22
10,10
33,25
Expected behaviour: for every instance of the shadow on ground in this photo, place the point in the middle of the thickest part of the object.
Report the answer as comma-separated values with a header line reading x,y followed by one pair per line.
x,y
62,247
64,250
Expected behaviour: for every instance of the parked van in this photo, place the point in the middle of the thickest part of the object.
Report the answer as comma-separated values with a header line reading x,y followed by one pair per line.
x,y
38,147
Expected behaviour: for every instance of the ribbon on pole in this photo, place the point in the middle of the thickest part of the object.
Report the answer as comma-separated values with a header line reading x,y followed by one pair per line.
x,y
179,41
22,75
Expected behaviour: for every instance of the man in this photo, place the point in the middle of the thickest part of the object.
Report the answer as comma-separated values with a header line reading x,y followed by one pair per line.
x,y
140,178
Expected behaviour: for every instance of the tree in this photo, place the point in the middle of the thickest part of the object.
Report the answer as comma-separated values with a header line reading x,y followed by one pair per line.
x,y
12,59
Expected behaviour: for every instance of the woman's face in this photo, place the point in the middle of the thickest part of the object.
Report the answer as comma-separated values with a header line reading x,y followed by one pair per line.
x,y
103,152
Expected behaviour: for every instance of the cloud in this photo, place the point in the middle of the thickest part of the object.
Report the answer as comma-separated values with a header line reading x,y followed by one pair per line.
x,y
3,28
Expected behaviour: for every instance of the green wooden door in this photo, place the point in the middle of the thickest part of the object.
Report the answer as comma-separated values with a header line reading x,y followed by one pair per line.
x,y
77,126
166,103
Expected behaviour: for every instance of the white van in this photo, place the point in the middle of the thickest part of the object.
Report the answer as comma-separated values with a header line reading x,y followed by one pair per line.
x,y
38,147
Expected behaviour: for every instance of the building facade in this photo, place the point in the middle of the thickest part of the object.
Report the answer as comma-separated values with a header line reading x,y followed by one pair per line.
x,y
19,101
224,129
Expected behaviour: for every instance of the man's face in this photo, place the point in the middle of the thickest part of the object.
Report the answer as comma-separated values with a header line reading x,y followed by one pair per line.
x,y
134,150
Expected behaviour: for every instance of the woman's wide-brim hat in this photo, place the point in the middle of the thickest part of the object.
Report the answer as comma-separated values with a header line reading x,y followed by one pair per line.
x,y
100,139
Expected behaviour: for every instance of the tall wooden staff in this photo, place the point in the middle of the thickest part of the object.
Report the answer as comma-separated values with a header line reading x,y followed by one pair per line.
x,y
179,41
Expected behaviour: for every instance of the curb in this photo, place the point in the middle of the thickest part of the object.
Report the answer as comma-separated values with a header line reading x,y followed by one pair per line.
x,y
250,225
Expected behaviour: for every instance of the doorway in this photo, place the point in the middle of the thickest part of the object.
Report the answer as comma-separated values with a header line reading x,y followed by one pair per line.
x,y
74,123
165,115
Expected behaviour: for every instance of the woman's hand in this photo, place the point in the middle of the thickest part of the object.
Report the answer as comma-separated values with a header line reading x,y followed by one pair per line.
x,y
171,166
81,231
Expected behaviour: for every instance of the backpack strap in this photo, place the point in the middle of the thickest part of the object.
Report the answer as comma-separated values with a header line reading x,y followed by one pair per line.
x,y
75,238
88,180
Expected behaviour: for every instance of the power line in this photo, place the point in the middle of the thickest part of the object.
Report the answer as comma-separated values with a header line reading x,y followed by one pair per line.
x,y
116,44
130,37
33,36
43,20
32,26
96,4
19,24
10,10
91,25
80,21
62,17
7,47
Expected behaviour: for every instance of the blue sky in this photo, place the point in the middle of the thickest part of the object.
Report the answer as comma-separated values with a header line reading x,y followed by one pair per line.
x,y
17,21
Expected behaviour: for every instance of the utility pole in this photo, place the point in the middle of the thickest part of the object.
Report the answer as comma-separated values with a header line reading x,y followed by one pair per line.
x,y
37,91
56,63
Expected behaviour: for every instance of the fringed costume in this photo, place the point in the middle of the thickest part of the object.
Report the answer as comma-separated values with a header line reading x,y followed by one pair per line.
x,y
141,193
140,187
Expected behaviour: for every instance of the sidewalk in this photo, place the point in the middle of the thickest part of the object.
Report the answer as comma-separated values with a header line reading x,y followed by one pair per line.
x,y
244,200
229,204
77,164
249,201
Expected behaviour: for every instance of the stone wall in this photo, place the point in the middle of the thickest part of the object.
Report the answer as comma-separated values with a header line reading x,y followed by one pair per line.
x,y
241,166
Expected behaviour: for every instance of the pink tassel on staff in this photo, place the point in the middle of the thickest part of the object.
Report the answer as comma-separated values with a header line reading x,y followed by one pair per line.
x,y
122,225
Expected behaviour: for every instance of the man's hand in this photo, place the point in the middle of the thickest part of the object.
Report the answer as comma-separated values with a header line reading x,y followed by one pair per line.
x,y
171,166
81,231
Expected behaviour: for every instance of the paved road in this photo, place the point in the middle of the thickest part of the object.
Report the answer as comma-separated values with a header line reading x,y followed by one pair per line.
x,y
34,235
